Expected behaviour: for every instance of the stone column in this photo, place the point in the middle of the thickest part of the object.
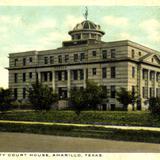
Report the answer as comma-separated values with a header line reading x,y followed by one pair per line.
x,y
155,83
39,76
84,81
53,82
139,86
140,81
148,73
68,82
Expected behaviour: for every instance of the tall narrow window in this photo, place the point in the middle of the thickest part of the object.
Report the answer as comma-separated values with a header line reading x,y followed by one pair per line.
x,y
66,58
65,75
24,77
45,76
133,72
59,74
81,74
24,61
82,56
60,59
113,72
93,71
94,53
15,93
75,57
113,53
45,60
50,76
104,54
24,93
51,59
30,59
15,62
133,90
133,53
30,75
104,72
75,74
15,77
113,92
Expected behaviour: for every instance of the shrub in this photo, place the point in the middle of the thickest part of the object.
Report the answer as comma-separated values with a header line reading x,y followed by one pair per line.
x,y
5,99
154,105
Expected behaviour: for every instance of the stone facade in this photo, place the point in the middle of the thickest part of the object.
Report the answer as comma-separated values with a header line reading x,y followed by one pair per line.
x,y
112,64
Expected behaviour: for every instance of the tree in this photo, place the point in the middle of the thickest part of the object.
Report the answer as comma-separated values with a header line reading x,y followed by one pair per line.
x,y
88,98
94,94
126,97
41,96
5,99
77,100
154,105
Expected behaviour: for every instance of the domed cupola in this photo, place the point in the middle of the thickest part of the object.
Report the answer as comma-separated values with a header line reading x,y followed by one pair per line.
x,y
86,30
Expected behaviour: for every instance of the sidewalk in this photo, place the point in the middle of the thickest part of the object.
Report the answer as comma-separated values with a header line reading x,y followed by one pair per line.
x,y
85,125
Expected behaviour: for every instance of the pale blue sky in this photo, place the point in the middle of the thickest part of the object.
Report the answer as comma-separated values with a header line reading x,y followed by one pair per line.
x,y
45,27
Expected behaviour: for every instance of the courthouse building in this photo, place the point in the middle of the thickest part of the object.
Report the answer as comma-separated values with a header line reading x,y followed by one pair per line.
x,y
86,57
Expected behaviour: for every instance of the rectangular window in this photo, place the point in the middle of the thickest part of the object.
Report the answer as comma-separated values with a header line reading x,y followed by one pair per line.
x,y
145,92
145,74
157,77
133,72
24,77
60,59
15,93
151,75
104,72
81,74
65,75
51,59
151,92
75,75
133,53
104,54
113,53
24,61
66,58
45,60
82,56
75,57
15,62
93,71
113,92
133,90
30,59
50,76
59,74
15,77
24,93
30,75
113,72
45,76
94,53
87,73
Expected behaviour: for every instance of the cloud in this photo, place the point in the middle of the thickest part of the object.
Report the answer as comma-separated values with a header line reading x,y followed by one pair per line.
x,y
151,27
71,21
44,24
115,21
126,35
5,19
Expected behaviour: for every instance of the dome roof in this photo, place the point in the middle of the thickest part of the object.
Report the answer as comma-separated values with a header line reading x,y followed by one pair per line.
x,y
86,25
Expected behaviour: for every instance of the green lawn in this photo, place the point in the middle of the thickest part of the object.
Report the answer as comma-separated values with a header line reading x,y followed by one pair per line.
x,y
89,117
134,118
